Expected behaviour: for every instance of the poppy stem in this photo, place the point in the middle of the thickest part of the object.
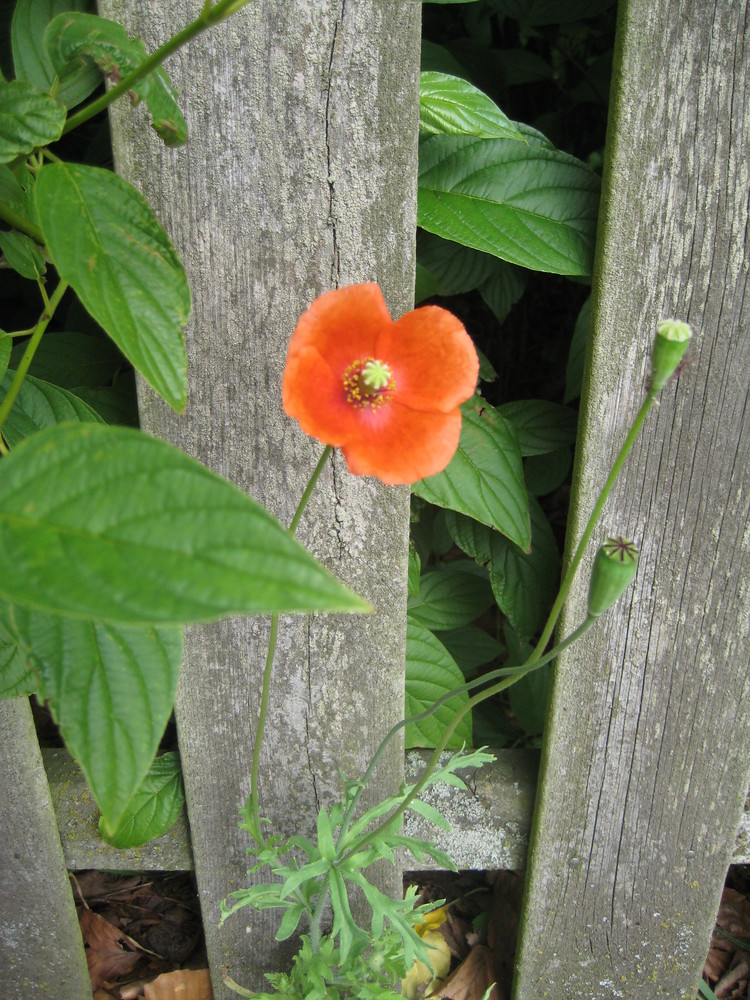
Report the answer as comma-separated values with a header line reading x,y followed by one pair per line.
x,y
253,802
591,524
504,677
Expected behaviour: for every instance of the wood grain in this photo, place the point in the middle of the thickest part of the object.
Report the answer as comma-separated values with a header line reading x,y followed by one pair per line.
x,y
299,175
645,767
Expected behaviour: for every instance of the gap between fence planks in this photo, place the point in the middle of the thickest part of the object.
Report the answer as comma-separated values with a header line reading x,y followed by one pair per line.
x,y
645,764
299,175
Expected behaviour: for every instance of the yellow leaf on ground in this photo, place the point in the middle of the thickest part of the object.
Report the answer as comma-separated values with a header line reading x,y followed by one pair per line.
x,y
184,984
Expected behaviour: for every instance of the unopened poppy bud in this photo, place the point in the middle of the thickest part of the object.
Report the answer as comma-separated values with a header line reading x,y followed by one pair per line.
x,y
614,568
672,339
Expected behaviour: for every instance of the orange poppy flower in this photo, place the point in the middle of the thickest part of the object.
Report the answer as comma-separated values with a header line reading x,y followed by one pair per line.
x,y
386,393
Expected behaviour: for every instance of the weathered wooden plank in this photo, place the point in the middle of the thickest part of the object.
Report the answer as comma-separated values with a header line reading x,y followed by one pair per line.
x,y
41,951
645,765
300,175
489,822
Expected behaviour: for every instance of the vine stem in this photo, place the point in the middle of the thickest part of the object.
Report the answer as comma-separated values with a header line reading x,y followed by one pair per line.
x,y
209,16
434,760
50,306
554,614
257,831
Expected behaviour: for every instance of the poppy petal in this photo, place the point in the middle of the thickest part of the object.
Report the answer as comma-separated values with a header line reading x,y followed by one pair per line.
x,y
313,394
343,325
407,445
433,359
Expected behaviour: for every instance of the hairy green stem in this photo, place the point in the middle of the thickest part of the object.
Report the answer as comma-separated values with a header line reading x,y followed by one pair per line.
x,y
209,16
268,669
525,668
590,525
23,365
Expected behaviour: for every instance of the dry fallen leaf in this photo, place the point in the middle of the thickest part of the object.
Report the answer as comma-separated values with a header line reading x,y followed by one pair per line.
x,y
734,917
420,977
184,984
472,978
109,952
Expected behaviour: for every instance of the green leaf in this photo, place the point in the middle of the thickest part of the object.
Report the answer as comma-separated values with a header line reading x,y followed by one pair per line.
x,y
528,204
11,192
73,38
430,813
115,404
22,254
289,922
524,584
503,289
450,598
542,427
546,473
31,61
577,354
154,807
39,405
484,479
431,672
6,344
107,522
111,690
71,359
454,269
528,700
28,119
470,647
325,837
104,239
16,678
449,105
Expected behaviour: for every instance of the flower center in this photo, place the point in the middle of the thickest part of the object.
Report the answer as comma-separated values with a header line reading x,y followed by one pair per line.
x,y
368,382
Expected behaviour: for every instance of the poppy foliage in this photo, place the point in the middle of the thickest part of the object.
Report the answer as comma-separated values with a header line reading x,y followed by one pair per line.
x,y
386,393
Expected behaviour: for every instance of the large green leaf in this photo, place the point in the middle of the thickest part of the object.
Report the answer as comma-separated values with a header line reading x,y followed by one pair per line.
x,y
431,672
154,807
541,426
106,522
449,105
30,18
470,647
104,239
73,38
450,598
71,359
528,204
546,473
16,678
484,479
111,690
39,405
28,119
524,584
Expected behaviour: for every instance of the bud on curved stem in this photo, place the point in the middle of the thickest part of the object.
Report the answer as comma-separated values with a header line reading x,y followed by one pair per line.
x,y
614,568
672,339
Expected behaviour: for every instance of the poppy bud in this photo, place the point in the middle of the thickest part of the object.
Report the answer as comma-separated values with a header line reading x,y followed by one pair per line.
x,y
672,339
614,568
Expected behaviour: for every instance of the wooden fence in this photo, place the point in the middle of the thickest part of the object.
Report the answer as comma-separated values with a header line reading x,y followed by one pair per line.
x,y
301,174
